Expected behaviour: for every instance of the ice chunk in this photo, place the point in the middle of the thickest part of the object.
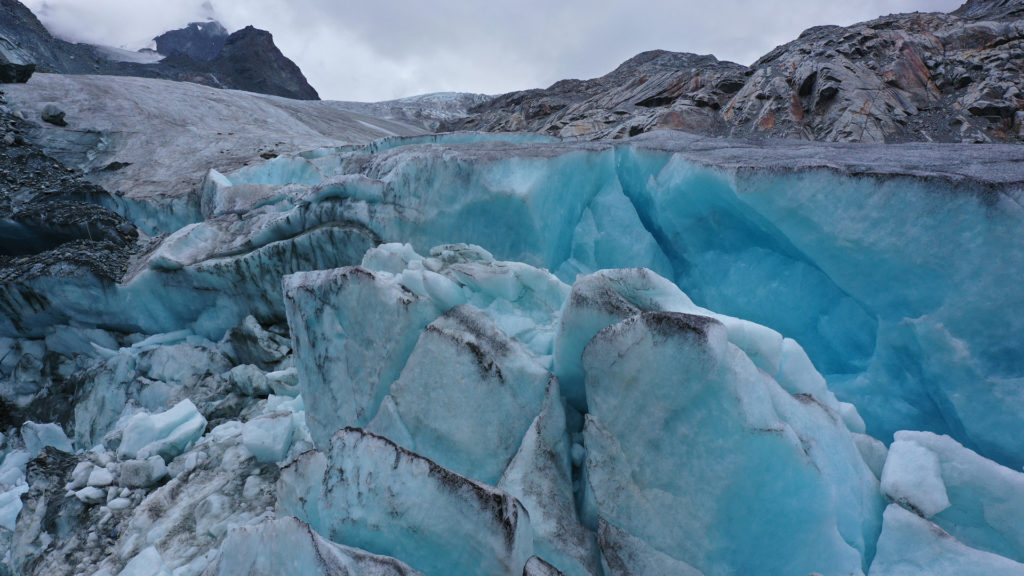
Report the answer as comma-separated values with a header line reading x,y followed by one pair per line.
x,y
12,471
289,546
92,495
540,476
372,494
284,382
269,437
183,363
913,546
250,343
80,475
522,300
277,403
165,434
974,499
608,296
249,380
39,436
694,450
912,477
392,258
148,562
352,331
10,505
103,397
142,473
100,477
467,394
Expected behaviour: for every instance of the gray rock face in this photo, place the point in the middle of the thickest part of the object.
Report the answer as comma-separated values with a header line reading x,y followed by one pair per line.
x,y
909,77
251,61
198,40
652,90
246,60
900,78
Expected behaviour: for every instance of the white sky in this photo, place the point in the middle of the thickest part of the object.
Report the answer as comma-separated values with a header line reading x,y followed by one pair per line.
x,y
383,49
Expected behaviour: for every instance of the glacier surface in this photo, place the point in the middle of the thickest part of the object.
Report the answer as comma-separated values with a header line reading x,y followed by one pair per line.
x,y
497,354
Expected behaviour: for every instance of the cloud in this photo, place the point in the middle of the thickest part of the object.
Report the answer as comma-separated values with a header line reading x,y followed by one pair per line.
x,y
357,50
121,23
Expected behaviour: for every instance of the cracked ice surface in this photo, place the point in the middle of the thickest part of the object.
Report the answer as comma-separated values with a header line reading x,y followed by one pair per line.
x,y
467,355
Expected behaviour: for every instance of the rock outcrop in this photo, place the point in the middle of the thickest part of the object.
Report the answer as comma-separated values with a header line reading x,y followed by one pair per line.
x,y
907,77
15,73
251,61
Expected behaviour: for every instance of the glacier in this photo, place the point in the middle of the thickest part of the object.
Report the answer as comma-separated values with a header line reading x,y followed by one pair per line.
x,y
504,354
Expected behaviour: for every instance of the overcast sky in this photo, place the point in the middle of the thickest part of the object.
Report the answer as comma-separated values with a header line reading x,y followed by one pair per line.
x,y
383,49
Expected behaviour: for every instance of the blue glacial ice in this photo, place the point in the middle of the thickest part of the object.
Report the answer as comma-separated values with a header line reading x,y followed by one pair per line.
x,y
812,253
427,516
463,399
289,546
693,449
913,546
494,355
469,412
974,500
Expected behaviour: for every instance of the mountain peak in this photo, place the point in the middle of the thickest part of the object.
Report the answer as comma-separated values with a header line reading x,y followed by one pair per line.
x,y
198,40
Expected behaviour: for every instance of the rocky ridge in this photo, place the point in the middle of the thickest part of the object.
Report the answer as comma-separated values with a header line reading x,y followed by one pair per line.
x,y
926,77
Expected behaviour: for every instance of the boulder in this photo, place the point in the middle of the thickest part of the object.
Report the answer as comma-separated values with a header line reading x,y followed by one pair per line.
x,y
54,115
16,73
